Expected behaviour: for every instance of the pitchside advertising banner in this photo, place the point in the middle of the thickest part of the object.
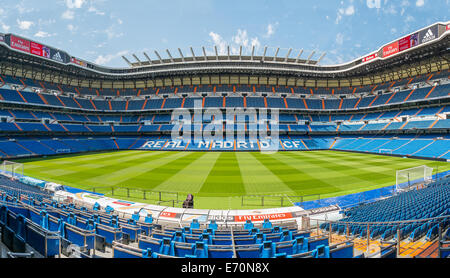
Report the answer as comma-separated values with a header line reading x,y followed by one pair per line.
x,y
38,49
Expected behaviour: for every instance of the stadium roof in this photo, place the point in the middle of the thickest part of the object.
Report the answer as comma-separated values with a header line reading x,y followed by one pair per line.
x,y
424,51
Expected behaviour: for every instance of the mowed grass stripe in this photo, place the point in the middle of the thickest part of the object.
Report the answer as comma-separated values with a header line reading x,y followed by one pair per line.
x,y
341,175
192,177
162,172
77,173
75,160
220,175
359,170
225,178
294,176
335,174
258,179
375,162
124,172
89,176
80,164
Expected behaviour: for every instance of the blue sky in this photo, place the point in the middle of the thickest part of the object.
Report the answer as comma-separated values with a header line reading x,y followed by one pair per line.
x,y
101,31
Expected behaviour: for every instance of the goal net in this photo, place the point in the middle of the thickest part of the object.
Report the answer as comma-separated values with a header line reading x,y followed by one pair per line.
x,y
12,169
413,177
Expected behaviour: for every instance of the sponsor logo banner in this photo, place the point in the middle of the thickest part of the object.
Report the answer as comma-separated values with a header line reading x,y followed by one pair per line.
x,y
390,49
370,57
36,48
123,203
222,218
19,44
90,196
261,217
169,214
56,55
428,34
45,52
74,60
408,42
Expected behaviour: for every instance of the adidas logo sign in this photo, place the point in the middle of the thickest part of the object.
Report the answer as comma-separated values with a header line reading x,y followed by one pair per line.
x,y
428,36
57,57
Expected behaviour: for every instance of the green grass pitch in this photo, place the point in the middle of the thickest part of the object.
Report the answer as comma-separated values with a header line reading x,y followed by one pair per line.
x,y
219,180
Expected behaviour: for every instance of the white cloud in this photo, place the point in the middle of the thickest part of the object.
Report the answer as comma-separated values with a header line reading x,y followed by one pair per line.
x,y
111,33
420,3
390,10
23,8
270,30
68,15
42,34
349,11
101,60
71,28
371,4
25,25
219,42
93,9
5,27
339,38
409,18
75,4
240,39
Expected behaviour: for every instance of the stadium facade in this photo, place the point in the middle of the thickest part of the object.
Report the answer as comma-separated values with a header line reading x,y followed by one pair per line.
x,y
394,101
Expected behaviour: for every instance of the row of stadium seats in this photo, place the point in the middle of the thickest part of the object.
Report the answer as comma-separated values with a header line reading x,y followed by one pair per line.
x,y
419,146
26,82
240,127
426,203
158,103
167,118
51,227
29,218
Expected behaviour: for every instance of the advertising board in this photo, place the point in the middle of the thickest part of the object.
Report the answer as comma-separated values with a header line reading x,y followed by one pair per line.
x,y
428,34
370,57
390,49
19,43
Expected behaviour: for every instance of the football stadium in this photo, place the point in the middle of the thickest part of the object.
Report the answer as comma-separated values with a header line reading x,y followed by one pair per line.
x,y
226,155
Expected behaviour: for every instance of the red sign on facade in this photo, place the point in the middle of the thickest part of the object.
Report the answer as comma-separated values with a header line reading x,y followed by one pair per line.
x,y
36,49
390,49
370,57
20,44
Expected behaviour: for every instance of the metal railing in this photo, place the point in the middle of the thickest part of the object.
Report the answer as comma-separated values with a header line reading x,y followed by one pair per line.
x,y
142,194
276,200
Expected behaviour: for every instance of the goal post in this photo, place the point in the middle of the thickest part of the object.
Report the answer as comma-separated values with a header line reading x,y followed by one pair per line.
x,y
415,176
12,169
